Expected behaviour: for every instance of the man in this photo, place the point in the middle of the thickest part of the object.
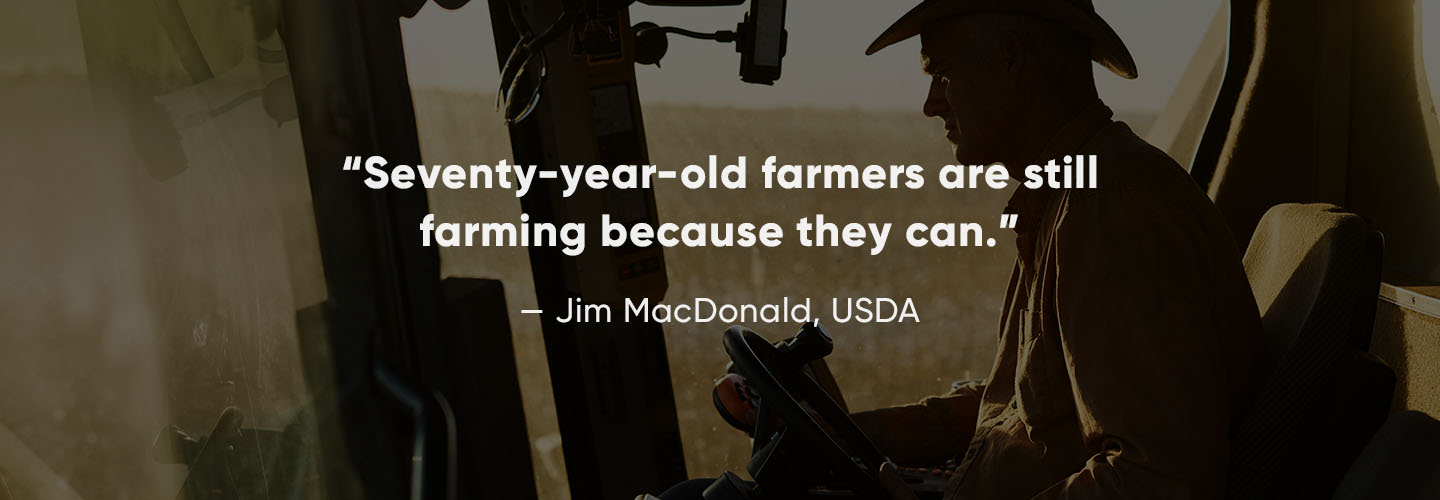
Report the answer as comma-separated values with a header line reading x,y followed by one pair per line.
x,y
1130,344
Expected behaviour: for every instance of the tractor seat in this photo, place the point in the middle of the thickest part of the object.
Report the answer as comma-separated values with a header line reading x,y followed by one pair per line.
x,y
1315,273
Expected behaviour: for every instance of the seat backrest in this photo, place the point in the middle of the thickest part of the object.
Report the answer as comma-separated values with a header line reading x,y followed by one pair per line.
x,y
1315,273
1303,261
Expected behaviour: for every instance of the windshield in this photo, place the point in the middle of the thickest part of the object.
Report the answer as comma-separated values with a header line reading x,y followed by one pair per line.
x,y
172,258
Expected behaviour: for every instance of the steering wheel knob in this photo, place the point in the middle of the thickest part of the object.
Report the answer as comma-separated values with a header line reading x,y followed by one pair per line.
x,y
737,402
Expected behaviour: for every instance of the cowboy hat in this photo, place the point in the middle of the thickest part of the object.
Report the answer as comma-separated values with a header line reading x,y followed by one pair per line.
x,y
1079,15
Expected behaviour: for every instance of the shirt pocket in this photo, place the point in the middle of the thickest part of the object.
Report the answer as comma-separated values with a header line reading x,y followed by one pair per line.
x,y
1042,384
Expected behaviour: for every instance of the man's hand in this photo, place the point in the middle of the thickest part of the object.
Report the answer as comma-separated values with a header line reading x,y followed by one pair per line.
x,y
894,484
925,433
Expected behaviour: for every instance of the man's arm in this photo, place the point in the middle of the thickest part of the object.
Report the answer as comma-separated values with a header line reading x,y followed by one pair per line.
x,y
1135,298
928,432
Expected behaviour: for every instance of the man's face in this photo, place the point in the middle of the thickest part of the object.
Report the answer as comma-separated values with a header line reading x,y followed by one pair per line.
x,y
971,90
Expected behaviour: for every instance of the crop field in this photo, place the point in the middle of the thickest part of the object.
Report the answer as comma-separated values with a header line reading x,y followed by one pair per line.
x,y
134,300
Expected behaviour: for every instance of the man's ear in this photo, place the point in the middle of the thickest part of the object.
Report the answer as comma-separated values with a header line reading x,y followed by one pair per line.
x,y
1012,55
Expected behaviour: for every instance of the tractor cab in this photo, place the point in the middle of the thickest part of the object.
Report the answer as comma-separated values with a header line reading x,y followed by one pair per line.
x,y
205,303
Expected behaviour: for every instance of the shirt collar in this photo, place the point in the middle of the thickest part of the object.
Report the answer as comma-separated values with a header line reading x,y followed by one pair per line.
x,y
1071,137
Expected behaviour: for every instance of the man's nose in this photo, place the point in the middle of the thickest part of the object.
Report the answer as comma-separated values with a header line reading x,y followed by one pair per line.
x,y
935,103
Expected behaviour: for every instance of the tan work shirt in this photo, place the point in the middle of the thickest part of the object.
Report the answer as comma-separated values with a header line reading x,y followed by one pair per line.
x,y
1129,347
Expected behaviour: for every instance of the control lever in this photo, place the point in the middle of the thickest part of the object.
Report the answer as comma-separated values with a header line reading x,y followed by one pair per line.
x,y
433,474
812,342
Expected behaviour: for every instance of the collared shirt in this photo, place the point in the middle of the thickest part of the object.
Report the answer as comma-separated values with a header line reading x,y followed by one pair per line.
x,y
1130,343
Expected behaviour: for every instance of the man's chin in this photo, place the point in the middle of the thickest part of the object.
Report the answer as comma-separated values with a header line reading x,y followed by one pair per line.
x,y
959,153
962,157
968,156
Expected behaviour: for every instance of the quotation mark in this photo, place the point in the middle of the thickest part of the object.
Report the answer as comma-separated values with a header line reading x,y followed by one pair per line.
x,y
353,163
1008,221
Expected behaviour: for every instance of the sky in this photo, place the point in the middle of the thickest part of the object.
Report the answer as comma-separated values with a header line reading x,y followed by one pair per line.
x,y
825,65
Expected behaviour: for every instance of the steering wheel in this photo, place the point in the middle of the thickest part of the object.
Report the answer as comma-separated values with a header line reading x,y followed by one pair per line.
x,y
839,445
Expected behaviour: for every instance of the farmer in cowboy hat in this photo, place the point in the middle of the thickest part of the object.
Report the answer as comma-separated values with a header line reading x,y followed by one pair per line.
x,y
1130,341
1129,344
